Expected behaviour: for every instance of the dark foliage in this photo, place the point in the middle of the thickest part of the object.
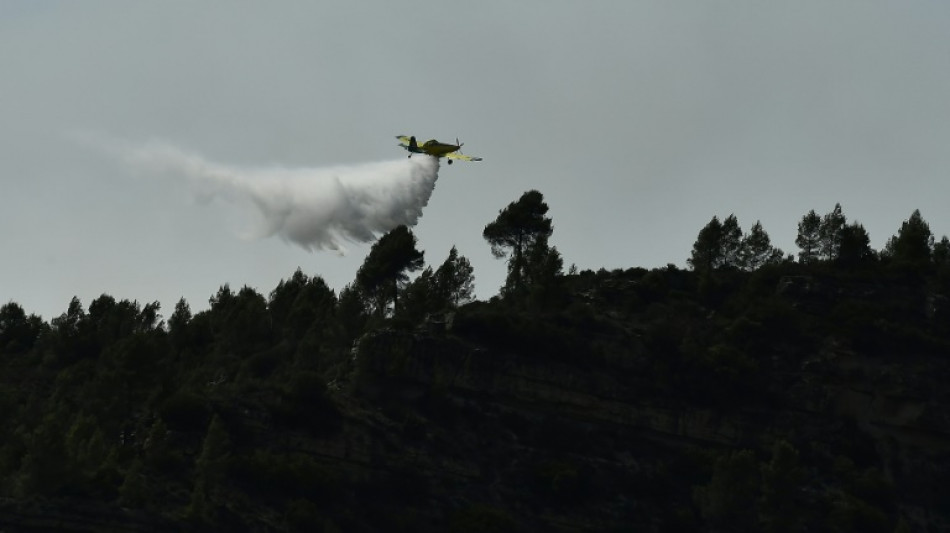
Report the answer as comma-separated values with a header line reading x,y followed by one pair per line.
x,y
746,394
386,267
521,232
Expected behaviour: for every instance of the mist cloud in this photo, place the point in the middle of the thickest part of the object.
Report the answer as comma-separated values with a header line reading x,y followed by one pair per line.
x,y
315,208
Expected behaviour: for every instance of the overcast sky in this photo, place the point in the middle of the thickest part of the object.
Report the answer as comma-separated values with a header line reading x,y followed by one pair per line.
x,y
638,121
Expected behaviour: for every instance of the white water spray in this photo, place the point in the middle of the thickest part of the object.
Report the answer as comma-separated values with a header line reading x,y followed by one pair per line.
x,y
315,208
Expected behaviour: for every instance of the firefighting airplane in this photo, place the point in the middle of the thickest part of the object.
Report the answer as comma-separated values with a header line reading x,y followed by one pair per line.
x,y
435,148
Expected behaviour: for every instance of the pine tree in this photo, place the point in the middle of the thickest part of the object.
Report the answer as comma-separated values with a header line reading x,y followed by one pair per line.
x,y
352,312
809,238
178,324
240,321
941,253
707,250
913,245
18,332
519,231
854,247
301,303
454,281
386,267
281,300
829,233
757,249
421,297
545,267
731,243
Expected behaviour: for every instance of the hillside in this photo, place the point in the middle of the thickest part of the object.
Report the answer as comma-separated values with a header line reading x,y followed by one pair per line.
x,y
790,398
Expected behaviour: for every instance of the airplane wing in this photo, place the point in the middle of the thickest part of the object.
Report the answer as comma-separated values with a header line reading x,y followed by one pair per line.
x,y
462,157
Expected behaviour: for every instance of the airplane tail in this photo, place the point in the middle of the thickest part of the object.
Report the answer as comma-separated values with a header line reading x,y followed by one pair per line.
x,y
413,147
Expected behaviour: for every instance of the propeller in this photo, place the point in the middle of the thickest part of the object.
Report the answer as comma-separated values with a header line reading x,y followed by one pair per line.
x,y
457,143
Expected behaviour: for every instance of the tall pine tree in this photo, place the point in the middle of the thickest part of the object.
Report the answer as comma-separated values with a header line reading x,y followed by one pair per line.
x,y
520,232
707,250
757,249
913,245
454,280
829,233
854,247
809,238
386,267
731,243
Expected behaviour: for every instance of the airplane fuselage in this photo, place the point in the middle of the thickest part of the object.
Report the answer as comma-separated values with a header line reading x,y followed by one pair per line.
x,y
434,147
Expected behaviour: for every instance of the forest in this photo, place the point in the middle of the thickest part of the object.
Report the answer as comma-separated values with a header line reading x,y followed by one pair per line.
x,y
755,390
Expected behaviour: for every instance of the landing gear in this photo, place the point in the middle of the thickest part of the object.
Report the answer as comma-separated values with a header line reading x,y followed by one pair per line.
x,y
450,161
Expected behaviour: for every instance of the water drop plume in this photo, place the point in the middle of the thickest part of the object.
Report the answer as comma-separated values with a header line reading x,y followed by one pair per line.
x,y
315,208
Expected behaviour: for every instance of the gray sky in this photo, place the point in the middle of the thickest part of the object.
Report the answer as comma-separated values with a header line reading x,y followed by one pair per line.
x,y
638,121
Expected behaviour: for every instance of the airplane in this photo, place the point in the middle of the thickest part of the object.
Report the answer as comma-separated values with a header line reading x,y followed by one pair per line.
x,y
435,149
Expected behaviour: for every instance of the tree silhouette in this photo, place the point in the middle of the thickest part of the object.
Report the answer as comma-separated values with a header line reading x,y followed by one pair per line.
x,y
723,245
941,253
521,233
390,258
18,332
809,238
351,312
707,250
545,267
854,246
913,244
282,299
420,297
829,233
178,324
757,249
719,245
300,303
434,291
113,319
282,412
73,335
454,280
731,243
240,321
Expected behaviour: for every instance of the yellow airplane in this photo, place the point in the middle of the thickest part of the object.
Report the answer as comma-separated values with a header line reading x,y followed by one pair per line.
x,y
435,149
